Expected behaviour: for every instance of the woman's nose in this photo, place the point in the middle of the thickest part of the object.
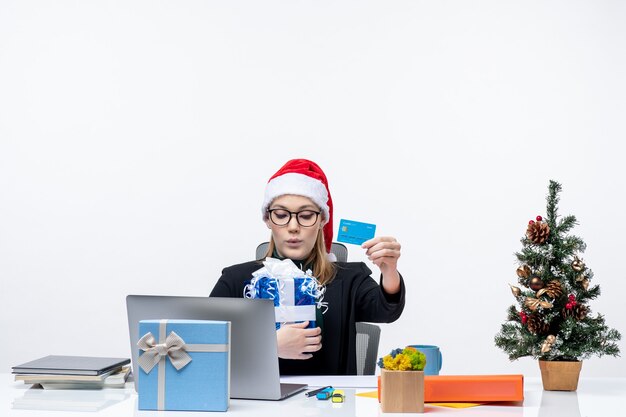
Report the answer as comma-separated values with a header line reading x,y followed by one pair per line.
x,y
293,224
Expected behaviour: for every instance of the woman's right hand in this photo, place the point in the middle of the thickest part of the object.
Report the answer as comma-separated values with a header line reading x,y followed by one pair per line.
x,y
295,341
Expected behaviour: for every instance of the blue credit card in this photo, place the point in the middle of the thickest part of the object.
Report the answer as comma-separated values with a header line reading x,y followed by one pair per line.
x,y
355,232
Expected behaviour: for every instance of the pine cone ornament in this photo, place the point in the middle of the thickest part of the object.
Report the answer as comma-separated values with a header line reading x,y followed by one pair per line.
x,y
536,325
537,232
579,312
554,289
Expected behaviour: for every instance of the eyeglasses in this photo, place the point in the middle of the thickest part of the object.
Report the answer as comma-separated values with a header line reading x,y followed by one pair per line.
x,y
282,217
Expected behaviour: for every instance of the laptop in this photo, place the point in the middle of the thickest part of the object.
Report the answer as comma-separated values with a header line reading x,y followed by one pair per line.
x,y
254,358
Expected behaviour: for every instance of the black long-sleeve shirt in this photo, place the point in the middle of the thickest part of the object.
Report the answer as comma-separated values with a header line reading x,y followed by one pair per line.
x,y
351,296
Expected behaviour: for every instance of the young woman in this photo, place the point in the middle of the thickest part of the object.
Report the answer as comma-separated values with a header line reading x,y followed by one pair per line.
x,y
298,210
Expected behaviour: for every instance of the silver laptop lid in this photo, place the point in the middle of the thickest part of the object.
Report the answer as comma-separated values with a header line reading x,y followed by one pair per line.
x,y
254,357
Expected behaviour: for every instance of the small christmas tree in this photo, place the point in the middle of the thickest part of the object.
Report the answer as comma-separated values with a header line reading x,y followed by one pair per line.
x,y
552,319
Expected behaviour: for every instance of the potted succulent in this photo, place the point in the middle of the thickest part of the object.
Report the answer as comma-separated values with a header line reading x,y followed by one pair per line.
x,y
552,320
402,381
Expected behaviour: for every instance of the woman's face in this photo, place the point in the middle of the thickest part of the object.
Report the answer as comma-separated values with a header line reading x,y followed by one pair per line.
x,y
293,240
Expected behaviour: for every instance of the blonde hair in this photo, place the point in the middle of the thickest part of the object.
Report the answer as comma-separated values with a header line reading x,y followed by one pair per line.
x,y
323,269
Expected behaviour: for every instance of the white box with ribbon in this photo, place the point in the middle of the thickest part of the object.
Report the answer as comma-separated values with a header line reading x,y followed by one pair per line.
x,y
184,365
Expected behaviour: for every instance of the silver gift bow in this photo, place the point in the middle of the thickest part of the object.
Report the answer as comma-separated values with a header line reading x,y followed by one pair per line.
x,y
174,348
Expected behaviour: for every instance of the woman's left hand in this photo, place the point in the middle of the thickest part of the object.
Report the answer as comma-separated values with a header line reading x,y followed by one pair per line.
x,y
384,252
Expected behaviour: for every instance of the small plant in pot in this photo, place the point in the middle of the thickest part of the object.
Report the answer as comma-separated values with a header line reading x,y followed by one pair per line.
x,y
402,381
552,320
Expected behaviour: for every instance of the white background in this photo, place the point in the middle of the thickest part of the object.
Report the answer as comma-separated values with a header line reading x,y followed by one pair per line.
x,y
136,138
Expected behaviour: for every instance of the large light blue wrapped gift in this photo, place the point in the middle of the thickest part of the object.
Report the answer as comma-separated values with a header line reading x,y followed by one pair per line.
x,y
296,293
184,365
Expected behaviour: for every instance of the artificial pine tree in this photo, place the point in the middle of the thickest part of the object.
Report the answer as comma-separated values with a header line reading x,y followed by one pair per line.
x,y
552,319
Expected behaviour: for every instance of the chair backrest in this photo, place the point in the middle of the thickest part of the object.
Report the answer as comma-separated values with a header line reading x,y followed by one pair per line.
x,y
367,340
338,249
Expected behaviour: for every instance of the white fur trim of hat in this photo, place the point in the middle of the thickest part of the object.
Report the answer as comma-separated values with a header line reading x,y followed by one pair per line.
x,y
296,184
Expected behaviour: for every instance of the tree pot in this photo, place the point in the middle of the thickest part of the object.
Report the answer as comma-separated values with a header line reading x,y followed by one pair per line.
x,y
402,391
560,375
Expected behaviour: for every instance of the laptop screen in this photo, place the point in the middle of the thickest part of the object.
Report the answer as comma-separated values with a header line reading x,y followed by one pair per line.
x,y
254,358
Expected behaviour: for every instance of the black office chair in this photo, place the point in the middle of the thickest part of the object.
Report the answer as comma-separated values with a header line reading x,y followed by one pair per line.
x,y
367,335
367,340
339,249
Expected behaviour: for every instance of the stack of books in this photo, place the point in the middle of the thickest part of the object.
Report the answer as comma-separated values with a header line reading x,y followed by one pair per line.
x,y
74,372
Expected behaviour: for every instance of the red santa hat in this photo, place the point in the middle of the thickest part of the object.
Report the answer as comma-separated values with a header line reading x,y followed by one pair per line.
x,y
305,178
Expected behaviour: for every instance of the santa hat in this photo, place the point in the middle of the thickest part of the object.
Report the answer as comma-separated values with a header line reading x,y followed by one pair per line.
x,y
305,178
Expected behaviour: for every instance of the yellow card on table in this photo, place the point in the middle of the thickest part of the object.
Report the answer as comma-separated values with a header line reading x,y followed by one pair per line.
x,y
374,394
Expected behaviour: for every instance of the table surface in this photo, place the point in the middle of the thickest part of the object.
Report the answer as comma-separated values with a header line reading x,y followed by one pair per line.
x,y
603,397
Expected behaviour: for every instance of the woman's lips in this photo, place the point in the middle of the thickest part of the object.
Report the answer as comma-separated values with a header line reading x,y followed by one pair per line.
x,y
293,243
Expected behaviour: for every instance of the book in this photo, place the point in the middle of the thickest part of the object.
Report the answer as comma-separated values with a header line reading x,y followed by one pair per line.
x,y
36,378
114,379
70,365
473,388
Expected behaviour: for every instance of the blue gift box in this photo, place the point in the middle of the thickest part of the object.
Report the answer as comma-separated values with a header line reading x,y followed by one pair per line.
x,y
184,365
297,303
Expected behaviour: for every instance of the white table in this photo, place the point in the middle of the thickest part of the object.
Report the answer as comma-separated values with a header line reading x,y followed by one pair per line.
x,y
602,397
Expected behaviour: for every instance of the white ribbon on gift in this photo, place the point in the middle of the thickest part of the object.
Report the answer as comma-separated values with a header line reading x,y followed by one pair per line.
x,y
283,273
197,347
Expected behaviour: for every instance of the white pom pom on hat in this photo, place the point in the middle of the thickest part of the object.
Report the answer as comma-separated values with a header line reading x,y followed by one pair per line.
x,y
305,178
